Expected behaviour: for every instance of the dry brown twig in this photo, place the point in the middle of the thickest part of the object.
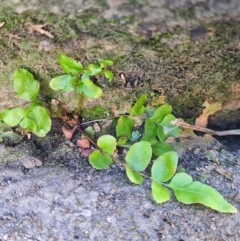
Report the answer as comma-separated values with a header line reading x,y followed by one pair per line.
x,y
38,28
181,123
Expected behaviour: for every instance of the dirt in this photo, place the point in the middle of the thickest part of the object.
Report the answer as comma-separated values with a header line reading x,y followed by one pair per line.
x,y
156,45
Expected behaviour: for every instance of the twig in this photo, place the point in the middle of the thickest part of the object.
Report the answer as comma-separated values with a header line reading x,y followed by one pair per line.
x,y
88,122
113,117
181,123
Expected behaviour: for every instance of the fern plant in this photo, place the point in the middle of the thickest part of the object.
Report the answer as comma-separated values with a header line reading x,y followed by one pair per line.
x,y
151,151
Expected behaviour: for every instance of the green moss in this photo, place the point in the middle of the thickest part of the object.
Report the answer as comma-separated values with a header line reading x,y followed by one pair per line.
x,y
97,112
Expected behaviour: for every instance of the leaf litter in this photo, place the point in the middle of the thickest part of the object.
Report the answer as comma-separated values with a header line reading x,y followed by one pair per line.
x,y
210,109
2,24
38,28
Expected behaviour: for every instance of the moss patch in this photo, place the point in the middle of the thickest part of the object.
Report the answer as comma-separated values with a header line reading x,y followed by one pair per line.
x,y
187,65
97,112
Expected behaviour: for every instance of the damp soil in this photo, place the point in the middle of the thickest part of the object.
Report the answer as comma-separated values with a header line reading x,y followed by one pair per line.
x,y
63,198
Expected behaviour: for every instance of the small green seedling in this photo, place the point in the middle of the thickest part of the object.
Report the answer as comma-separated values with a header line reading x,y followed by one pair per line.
x,y
153,151
35,118
78,77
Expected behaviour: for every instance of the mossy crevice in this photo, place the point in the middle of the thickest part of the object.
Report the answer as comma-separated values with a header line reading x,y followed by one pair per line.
x,y
186,70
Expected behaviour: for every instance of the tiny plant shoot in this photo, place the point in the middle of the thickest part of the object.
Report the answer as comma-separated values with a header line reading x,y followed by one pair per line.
x,y
35,118
78,78
152,151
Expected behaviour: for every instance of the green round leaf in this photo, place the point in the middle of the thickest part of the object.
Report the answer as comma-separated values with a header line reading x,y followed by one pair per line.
x,y
161,112
124,127
138,108
160,193
122,141
160,133
89,89
170,130
63,82
28,124
150,128
25,85
139,156
37,121
85,77
160,148
164,167
69,65
133,176
90,131
13,116
108,74
150,139
99,161
93,69
107,144
189,192
106,62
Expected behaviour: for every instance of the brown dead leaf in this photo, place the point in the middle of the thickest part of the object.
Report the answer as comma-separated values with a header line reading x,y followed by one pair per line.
x,y
72,122
115,154
38,28
160,100
138,120
2,24
83,143
115,111
69,132
210,109
86,152
122,111
219,169
31,162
